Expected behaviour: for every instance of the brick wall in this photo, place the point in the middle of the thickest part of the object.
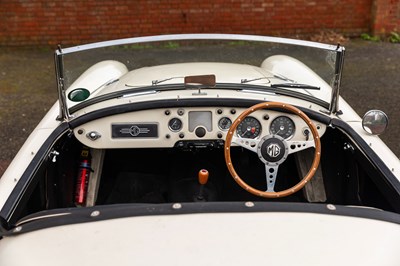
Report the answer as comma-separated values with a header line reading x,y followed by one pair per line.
x,y
386,16
43,22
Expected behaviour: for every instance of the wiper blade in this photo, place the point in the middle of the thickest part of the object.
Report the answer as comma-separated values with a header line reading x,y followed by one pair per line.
x,y
295,86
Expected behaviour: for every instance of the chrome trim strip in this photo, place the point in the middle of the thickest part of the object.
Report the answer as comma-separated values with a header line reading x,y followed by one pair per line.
x,y
41,217
177,37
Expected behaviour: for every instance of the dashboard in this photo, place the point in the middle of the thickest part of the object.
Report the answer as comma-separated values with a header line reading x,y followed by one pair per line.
x,y
188,127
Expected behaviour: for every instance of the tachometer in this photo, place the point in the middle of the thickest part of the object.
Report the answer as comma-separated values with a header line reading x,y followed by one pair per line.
x,y
282,126
250,128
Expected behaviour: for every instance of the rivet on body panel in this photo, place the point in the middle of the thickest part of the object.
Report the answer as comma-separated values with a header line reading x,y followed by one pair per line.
x,y
95,214
249,204
331,207
176,206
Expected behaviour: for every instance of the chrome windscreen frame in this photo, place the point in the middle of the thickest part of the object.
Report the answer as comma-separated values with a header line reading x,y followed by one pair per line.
x,y
60,52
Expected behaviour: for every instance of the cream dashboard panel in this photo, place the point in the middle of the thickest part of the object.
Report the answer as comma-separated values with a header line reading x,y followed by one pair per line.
x,y
164,128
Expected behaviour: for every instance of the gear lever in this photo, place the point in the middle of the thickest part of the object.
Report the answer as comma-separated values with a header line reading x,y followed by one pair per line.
x,y
203,179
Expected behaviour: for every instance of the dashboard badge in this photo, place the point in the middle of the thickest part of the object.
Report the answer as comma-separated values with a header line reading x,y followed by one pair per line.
x,y
144,130
134,131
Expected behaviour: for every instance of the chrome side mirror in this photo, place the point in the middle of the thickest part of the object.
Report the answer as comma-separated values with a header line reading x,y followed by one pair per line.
x,y
375,122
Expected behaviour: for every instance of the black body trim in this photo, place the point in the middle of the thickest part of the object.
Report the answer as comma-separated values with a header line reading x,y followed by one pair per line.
x,y
377,162
220,86
203,102
46,219
26,178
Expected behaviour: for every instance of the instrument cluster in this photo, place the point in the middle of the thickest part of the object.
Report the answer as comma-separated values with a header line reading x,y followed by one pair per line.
x,y
258,124
198,126
251,127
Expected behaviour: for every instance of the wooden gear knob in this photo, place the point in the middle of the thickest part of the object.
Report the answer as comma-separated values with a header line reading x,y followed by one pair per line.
x,y
203,176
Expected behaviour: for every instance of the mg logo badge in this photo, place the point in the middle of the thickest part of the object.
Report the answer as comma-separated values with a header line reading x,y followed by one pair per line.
x,y
273,150
134,130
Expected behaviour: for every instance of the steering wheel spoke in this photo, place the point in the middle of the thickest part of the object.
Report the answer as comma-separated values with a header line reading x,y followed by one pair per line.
x,y
271,172
296,146
250,144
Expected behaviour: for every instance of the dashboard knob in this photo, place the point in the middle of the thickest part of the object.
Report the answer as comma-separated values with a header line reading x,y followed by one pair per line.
x,y
93,135
200,132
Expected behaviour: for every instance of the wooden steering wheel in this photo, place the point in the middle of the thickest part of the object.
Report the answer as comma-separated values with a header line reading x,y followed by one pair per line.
x,y
272,150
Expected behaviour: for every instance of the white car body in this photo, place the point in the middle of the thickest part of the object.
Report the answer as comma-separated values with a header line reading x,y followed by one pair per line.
x,y
356,228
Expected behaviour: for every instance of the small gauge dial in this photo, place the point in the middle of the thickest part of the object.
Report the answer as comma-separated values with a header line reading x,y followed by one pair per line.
x,y
224,123
282,126
250,128
175,124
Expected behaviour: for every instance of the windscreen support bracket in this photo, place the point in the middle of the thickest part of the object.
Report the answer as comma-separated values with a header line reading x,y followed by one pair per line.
x,y
64,114
334,105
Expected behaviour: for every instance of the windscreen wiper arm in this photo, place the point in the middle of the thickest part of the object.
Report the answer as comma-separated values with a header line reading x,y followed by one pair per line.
x,y
295,86
277,76
154,82
250,80
157,81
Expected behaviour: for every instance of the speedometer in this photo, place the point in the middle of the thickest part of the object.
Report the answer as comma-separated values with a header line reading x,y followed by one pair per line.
x,y
282,126
250,128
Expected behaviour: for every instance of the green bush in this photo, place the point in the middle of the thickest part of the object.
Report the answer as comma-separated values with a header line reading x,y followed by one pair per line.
x,y
367,37
394,37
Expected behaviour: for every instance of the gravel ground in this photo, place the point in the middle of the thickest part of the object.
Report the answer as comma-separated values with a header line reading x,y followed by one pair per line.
x,y
28,89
